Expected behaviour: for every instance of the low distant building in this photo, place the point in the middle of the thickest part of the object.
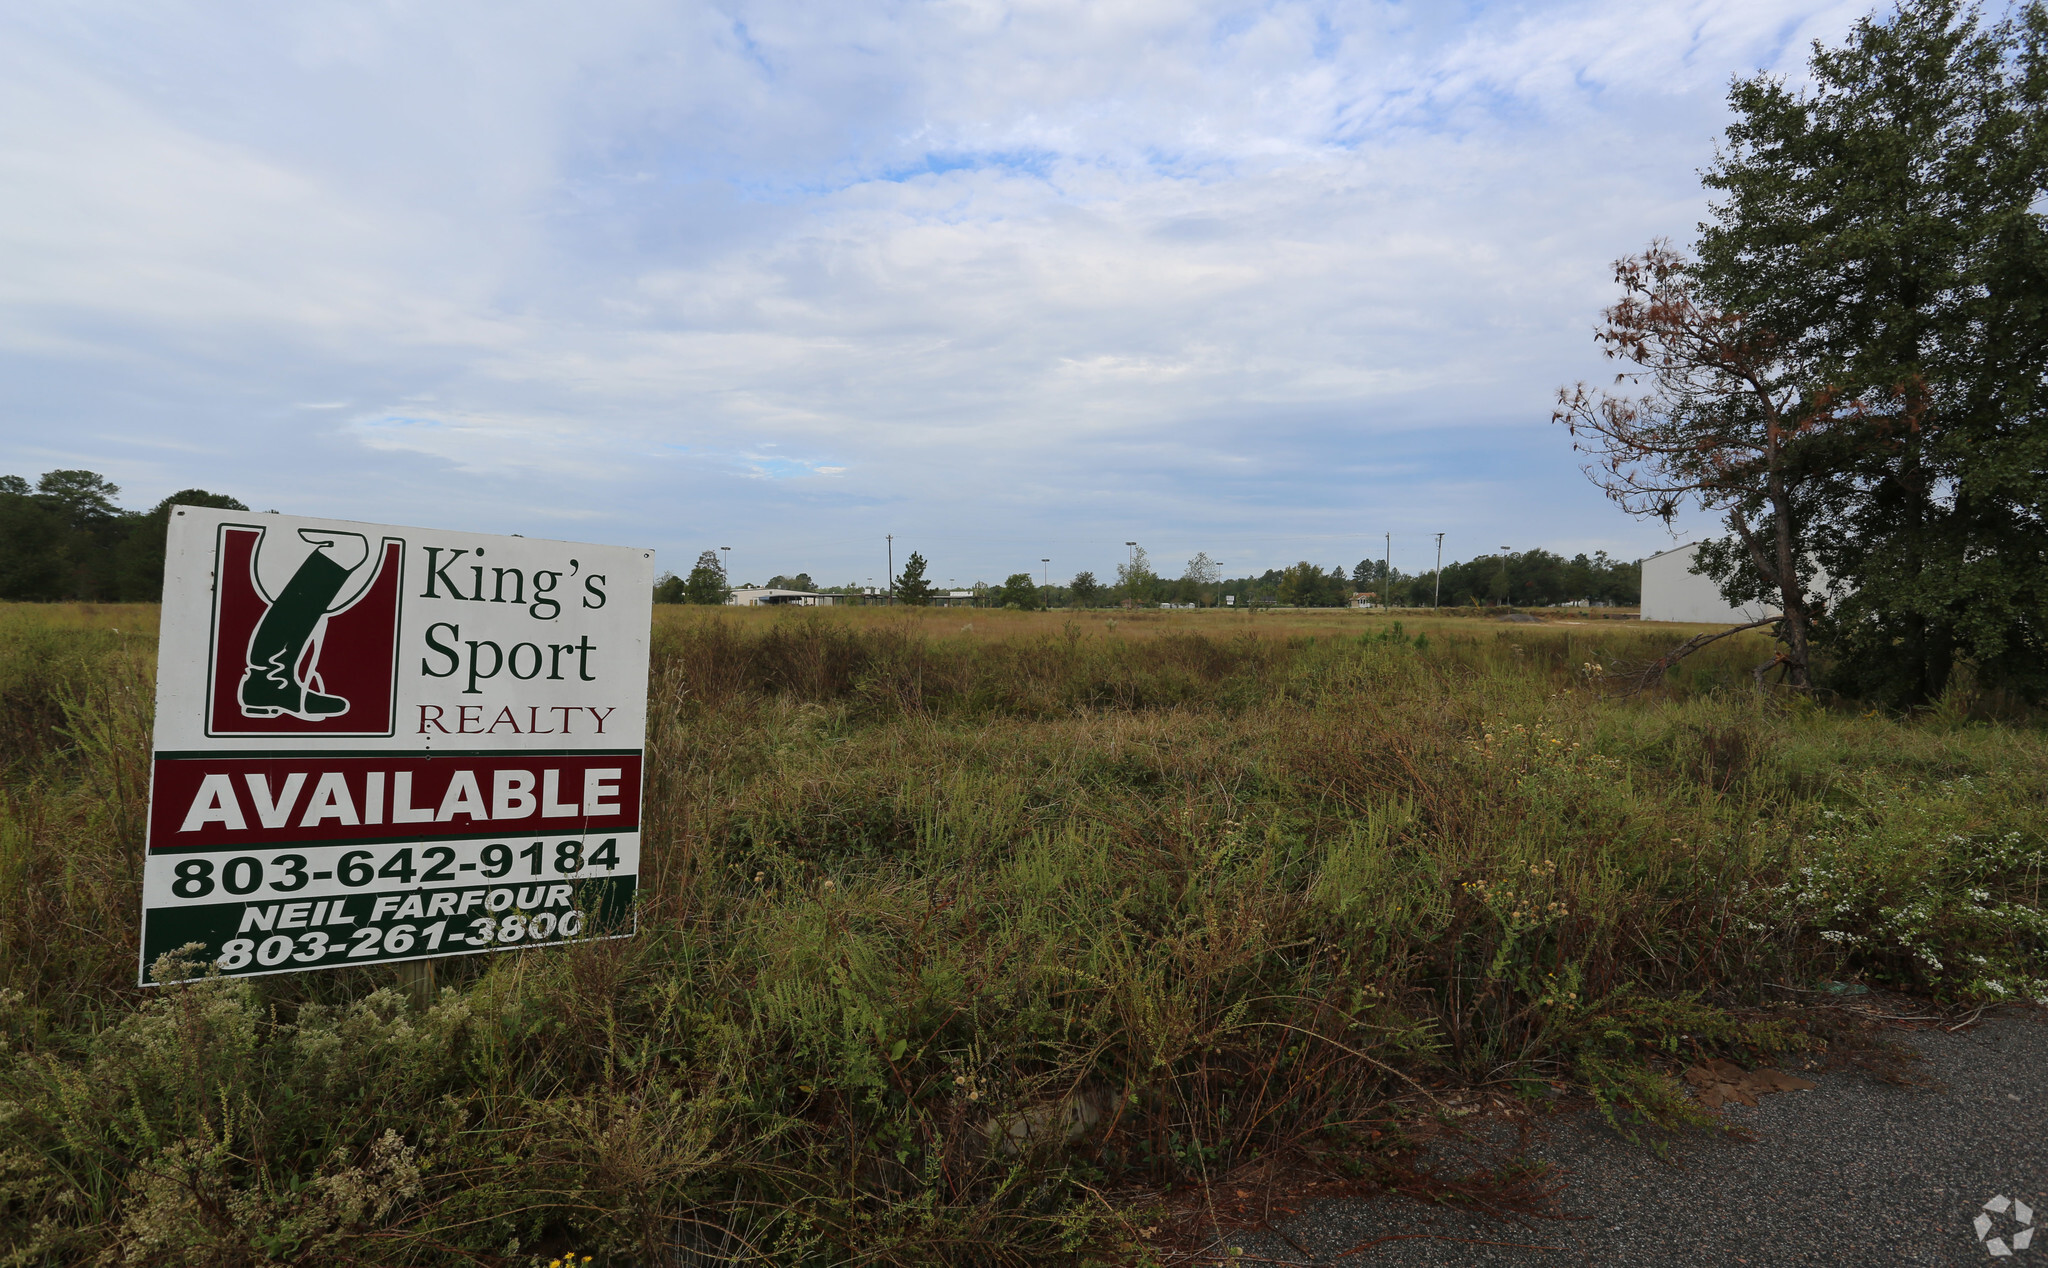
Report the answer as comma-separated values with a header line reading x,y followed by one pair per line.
x,y
767,598
1672,591
1365,599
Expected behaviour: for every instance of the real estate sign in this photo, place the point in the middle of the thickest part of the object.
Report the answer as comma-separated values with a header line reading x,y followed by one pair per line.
x,y
378,743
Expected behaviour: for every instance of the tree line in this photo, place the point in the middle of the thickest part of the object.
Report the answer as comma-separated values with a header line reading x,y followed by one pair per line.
x,y
64,538
1531,578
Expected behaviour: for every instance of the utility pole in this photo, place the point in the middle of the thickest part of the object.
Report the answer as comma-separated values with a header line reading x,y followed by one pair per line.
x,y
892,570
1130,576
728,572
1439,595
1045,579
1387,589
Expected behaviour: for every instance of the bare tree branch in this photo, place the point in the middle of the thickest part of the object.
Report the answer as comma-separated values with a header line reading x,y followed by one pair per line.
x,y
1634,680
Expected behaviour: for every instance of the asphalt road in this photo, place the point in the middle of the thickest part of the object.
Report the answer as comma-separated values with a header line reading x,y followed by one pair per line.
x,y
1853,1172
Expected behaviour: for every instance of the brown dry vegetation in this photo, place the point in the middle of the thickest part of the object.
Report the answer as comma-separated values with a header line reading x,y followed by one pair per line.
x,y
956,922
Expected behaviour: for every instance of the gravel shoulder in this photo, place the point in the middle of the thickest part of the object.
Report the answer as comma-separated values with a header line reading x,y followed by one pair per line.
x,y
1854,1172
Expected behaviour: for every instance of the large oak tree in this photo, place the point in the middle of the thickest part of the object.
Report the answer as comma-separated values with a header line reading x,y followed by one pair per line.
x,y
1886,224
1878,241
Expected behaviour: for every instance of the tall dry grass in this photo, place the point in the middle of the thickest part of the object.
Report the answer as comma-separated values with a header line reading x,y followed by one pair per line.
x,y
955,921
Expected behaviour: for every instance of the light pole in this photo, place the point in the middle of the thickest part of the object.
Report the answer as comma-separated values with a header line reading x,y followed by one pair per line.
x,y
1387,588
728,572
1507,583
1436,598
892,570
1130,577
1045,579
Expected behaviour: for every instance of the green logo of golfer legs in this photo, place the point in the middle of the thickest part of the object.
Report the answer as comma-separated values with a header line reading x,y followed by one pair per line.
x,y
271,685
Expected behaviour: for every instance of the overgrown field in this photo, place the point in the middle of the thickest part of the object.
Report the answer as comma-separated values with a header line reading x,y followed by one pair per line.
x,y
956,922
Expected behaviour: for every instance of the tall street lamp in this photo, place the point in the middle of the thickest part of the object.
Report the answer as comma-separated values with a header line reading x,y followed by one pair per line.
x,y
1437,597
1045,579
1387,589
727,550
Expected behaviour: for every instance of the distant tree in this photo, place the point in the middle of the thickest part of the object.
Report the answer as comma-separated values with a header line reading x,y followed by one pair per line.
x,y
1337,586
1527,578
801,581
1252,591
1135,579
1020,589
668,588
65,538
139,559
1617,581
1085,589
34,535
86,500
1304,586
1197,583
87,496
706,583
911,586
1500,581
1391,586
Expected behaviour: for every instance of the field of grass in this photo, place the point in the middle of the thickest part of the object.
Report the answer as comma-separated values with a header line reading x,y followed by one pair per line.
x,y
958,925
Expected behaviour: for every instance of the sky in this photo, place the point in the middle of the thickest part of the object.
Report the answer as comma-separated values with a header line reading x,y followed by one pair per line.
x,y
1007,281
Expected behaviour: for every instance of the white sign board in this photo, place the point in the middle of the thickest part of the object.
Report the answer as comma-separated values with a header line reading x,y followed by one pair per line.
x,y
378,743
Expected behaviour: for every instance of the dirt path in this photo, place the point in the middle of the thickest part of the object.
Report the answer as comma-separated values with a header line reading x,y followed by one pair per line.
x,y
1854,1172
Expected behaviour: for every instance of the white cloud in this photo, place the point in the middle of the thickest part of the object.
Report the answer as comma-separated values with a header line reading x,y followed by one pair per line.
x,y
1005,272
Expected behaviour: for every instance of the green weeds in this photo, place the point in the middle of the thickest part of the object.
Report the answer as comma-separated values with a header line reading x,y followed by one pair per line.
x,y
945,933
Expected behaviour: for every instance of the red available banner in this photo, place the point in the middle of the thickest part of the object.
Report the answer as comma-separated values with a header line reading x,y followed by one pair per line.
x,y
248,801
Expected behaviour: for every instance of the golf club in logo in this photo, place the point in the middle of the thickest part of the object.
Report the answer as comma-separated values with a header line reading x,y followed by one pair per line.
x,y
305,632
2005,1225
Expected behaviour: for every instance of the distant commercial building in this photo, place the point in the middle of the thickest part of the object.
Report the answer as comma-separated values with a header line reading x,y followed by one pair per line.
x,y
1672,591
766,598
763,597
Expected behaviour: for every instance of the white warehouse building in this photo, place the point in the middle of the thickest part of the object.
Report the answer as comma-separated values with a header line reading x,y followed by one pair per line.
x,y
1672,591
